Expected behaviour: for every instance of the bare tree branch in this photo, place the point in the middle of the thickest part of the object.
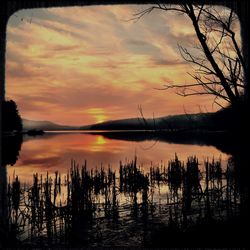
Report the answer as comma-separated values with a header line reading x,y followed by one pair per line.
x,y
219,67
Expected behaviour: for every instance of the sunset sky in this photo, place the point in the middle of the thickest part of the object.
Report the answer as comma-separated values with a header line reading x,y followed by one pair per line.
x,y
85,65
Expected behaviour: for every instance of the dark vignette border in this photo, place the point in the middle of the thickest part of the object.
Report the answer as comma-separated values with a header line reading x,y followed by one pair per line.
x,y
9,7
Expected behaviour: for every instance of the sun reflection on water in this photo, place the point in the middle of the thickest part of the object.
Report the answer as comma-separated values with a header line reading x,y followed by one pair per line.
x,y
51,153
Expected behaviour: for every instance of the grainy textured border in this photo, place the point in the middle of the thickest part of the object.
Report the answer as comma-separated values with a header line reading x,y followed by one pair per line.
x,y
8,7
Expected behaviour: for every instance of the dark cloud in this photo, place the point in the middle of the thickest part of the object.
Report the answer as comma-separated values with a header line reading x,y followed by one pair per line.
x,y
58,50
137,42
27,70
64,30
16,38
66,48
165,62
111,64
183,39
20,71
141,47
40,14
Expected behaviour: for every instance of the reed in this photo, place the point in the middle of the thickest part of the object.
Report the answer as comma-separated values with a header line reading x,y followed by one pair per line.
x,y
175,173
75,210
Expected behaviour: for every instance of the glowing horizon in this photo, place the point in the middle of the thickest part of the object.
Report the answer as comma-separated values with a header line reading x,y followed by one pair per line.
x,y
84,65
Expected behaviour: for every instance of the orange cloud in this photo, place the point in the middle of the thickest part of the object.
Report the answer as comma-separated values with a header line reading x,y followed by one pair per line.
x,y
83,65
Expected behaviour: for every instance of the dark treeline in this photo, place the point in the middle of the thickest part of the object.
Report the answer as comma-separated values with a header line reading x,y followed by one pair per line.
x,y
11,119
217,121
100,207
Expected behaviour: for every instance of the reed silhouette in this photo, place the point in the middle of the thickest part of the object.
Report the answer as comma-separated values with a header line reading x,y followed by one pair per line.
x,y
98,207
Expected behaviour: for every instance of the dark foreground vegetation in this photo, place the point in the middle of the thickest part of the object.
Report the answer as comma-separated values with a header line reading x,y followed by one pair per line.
x,y
180,204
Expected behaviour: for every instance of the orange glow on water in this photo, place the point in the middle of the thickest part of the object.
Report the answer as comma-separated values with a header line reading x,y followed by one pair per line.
x,y
100,140
54,152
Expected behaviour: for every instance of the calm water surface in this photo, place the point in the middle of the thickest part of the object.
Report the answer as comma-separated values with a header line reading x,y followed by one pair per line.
x,y
54,152
121,209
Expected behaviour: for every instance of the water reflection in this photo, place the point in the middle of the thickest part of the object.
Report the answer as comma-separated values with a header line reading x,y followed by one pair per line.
x,y
53,152
159,196
102,208
11,146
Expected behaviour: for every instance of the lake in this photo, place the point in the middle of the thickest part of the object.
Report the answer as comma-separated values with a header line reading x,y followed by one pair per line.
x,y
120,204
54,151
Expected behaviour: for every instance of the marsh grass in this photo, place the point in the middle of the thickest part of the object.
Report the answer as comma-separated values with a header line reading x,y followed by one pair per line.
x,y
97,207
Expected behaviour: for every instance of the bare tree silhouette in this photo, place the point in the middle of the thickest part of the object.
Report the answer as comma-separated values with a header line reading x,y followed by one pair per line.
x,y
219,66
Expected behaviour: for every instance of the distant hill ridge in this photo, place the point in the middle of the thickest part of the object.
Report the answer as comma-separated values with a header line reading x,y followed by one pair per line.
x,y
171,122
45,125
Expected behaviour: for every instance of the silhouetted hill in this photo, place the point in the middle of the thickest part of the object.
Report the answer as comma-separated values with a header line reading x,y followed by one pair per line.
x,y
173,122
202,121
45,125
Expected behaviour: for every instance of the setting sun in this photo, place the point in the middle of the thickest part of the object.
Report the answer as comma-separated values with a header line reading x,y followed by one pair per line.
x,y
61,61
98,114
100,118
